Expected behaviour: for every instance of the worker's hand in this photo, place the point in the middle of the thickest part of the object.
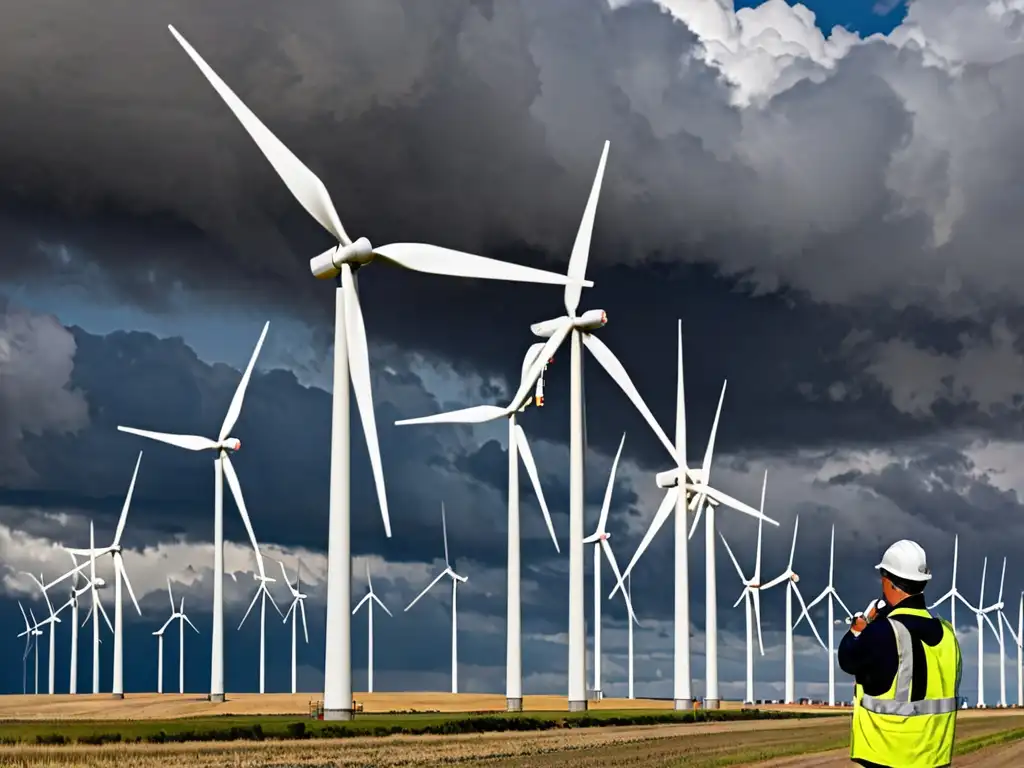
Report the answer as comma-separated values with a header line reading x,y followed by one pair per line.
x,y
872,612
859,624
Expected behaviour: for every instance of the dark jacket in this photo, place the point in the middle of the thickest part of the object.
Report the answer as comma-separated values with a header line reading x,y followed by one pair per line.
x,y
872,657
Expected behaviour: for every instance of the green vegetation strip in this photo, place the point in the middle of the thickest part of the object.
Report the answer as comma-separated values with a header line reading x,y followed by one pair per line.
x,y
232,728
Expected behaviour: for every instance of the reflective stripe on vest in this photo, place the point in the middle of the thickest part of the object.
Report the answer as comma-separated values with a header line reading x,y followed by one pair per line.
x,y
900,704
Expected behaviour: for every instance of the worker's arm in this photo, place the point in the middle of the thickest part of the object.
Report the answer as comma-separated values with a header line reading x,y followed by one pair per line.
x,y
871,656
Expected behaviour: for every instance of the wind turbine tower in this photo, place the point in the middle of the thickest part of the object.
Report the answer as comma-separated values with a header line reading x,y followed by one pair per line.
x,y
369,599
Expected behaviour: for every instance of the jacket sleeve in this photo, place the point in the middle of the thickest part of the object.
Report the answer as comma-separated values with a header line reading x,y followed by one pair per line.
x,y
872,657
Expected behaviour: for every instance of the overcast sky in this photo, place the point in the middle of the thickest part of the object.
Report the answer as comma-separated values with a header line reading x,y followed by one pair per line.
x,y
829,203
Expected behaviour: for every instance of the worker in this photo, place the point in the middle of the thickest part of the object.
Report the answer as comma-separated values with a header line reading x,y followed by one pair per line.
x,y
907,667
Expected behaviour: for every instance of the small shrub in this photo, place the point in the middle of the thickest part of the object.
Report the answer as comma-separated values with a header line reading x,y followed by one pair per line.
x,y
51,739
296,731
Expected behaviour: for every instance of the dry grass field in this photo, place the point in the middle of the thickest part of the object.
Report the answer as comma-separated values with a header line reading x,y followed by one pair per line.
x,y
703,745
153,706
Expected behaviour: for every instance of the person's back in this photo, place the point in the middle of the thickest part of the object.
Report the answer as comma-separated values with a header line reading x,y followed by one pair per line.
x,y
907,667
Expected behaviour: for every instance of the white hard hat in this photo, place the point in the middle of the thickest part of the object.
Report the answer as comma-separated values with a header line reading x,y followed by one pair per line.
x,y
906,560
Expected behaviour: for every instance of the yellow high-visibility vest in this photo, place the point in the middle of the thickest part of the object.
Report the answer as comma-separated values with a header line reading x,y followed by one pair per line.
x,y
891,729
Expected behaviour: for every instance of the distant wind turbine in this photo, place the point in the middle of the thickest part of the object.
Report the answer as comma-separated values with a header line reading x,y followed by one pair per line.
x,y
262,593
298,606
448,571
179,614
369,599
52,620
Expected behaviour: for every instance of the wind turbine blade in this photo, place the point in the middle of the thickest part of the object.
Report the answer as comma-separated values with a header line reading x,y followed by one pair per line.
x,y
170,595
526,456
87,617
187,619
188,442
1009,628
668,505
841,603
478,414
942,599
435,260
743,595
303,183
792,548
165,625
236,492
22,608
581,247
235,409
437,578
729,501
377,600
760,530
291,608
103,613
832,557
369,580
119,565
256,594
444,533
706,466
696,518
778,579
991,625
284,576
606,505
127,503
824,593
611,364
273,602
610,557
800,597
984,573
366,598
963,600
1002,580
302,613
732,557
530,358
359,373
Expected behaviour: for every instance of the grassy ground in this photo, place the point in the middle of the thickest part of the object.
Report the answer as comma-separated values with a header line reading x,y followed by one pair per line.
x,y
289,727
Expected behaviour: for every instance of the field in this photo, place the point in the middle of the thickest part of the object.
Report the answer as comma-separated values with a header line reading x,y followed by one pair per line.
x,y
992,737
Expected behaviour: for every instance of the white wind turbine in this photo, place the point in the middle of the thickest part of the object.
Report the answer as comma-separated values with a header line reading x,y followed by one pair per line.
x,y
1018,639
30,633
953,594
448,571
179,614
1000,619
518,448
76,592
791,578
262,593
829,592
351,363
599,538
676,502
297,606
981,615
369,599
223,446
52,620
120,578
95,611
751,596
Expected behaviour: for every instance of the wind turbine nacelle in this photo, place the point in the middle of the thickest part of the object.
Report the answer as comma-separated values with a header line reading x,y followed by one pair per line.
x,y
591,320
548,328
328,264
99,583
668,479
794,578
232,443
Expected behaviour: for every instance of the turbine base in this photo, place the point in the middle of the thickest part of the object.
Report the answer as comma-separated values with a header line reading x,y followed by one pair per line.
x,y
712,703
217,698
117,695
683,704
578,706
338,714
514,705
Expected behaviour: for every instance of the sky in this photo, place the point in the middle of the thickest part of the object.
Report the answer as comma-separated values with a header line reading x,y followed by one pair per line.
x,y
828,204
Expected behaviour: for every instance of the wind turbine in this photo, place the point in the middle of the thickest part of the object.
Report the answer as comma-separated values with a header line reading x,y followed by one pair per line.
x,y
518,448
29,633
448,571
120,577
297,606
791,578
830,593
1000,619
179,614
351,363
632,620
52,620
262,593
676,502
953,594
36,633
95,611
222,469
981,614
751,596
599,539
76,592
1018,639
369,599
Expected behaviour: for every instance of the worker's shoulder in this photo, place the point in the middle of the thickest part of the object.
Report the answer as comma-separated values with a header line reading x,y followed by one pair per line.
x,y
879,630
